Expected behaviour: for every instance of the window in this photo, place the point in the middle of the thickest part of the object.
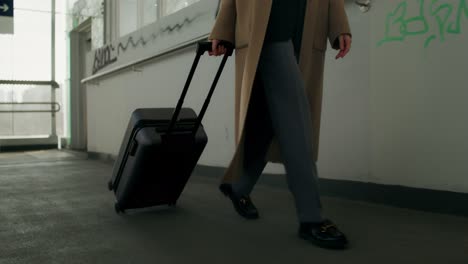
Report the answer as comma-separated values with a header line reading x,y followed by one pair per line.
x,y
27,55
150,11
128,19
134,14
172,6
23,60
80,10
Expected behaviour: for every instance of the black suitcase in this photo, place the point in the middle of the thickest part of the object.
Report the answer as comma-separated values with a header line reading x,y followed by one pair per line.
x,y
160,149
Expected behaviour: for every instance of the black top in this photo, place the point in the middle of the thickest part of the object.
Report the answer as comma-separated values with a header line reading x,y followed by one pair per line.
x,y
286,20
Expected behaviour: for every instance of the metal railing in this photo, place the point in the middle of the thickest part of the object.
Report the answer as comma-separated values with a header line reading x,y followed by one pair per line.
x,y
53,84
54,106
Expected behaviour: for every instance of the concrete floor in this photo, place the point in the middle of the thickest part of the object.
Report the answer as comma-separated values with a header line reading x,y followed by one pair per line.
x,y
55,208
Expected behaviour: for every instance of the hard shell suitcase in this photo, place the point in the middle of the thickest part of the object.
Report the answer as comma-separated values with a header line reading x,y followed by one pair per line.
x,y
160,149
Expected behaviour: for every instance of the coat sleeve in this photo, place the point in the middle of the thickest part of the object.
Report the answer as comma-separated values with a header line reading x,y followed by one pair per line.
x,y
338,22
225,23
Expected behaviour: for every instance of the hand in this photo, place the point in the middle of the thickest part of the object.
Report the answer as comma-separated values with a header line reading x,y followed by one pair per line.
x,y
345,45
215,49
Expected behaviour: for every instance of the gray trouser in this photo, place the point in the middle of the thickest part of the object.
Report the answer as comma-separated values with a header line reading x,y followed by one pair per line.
x,y
282,109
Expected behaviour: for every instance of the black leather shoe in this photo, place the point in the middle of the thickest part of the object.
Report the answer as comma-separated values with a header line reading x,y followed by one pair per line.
x,y
324,234
242,204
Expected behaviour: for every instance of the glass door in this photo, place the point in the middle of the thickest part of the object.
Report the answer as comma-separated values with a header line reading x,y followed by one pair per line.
x,y
31,91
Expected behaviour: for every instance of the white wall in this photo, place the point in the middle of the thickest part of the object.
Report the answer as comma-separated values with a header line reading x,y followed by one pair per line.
x,y
392,114
344,137
419,112
159,85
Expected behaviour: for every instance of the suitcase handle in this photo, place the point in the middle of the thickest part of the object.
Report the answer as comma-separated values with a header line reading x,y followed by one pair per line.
x,y
202,47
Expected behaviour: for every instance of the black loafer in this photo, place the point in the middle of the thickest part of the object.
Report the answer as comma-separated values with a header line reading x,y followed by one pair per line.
x,y
324,234
242,204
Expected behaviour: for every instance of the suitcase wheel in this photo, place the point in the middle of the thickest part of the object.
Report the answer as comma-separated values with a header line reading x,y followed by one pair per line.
x,y
109,186
118,209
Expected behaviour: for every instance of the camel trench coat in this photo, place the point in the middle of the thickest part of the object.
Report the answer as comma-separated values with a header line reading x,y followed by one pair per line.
x,y
244,23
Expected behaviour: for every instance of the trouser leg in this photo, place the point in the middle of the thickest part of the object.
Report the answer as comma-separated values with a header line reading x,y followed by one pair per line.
x,y
258,134
290,116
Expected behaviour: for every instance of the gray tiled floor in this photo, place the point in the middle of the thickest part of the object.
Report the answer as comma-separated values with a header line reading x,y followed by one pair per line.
x,y
55,208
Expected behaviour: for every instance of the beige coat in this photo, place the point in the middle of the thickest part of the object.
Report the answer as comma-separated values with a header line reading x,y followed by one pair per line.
x,y
244,23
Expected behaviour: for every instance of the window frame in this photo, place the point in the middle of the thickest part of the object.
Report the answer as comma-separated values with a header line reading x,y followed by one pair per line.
x,y
113,6
115,23
205,9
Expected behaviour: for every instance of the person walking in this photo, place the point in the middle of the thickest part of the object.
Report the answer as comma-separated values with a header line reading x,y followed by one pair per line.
x,y
280,49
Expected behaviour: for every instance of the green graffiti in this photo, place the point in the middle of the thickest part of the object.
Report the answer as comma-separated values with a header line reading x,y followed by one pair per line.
x,y
462,11
399,25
